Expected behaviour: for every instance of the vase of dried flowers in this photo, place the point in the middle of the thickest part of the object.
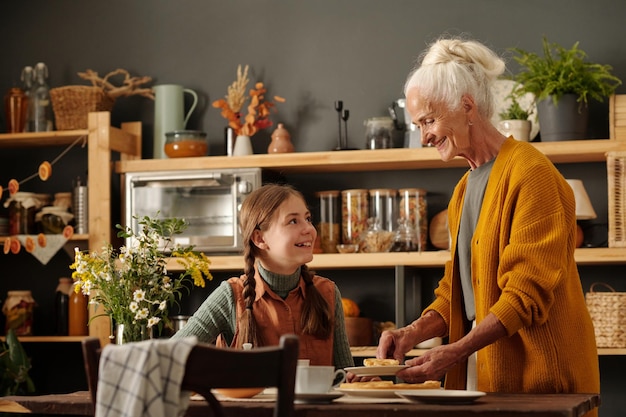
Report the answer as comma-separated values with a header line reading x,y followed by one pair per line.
x,y
243,146
258,108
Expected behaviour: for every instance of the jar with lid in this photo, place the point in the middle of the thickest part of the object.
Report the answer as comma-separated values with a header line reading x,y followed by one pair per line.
x,y
405,239
383,206
413,207
78,313
329,225
18,309
378,133
22,208
61,306
354,215
376,239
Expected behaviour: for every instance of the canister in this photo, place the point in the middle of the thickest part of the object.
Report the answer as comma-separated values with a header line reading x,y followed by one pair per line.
x,y
22,208
383,206
18,309
412,206
329,225
354,215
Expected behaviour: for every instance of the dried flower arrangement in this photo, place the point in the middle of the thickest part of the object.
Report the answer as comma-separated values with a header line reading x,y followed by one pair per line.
x,y
258,108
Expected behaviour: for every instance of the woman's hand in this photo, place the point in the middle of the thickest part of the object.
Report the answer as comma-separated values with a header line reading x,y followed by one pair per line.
x,y
395,343
432,365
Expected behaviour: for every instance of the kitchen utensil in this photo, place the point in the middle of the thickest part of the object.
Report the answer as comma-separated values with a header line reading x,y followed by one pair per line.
x,y
402,121
169,113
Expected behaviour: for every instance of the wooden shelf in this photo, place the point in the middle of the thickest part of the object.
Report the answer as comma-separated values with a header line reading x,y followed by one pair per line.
x,y
41,139
48,339
364,160
430,259
75,238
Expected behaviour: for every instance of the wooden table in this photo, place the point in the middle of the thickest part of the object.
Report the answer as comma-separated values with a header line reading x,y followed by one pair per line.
x,y
500,405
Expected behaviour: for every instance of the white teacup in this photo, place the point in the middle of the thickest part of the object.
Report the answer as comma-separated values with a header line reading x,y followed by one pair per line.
x,y
318,379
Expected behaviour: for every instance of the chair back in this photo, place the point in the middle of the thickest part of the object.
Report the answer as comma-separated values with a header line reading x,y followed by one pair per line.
x,y
210,367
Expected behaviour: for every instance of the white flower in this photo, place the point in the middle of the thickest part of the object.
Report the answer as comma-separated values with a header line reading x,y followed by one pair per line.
x,y
142,314
133,306
139,295
152,321
163,305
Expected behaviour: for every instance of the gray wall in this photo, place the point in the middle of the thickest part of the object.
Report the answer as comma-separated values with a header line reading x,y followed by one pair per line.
x,y
312,53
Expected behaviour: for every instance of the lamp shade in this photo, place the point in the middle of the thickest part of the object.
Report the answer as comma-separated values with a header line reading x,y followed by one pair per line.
x,y
584,208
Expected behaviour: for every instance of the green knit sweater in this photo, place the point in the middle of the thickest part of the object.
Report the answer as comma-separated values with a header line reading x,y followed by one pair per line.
x,y
524,272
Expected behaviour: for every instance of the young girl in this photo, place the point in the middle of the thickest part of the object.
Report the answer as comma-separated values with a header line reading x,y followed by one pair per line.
x,y
277,294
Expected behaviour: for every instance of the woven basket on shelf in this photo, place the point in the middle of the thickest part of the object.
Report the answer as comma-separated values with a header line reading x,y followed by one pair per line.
x,y
71,105
616,179
608,313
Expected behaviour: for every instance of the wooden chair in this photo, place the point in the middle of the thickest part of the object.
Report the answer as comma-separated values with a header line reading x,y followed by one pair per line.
x,y
210,367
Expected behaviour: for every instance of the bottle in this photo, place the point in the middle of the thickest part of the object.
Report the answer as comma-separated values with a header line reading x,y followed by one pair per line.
x,y
27,77
61,306
15,106
39,108
78,314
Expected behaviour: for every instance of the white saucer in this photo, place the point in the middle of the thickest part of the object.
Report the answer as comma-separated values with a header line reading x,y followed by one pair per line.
x,y
441,396
324,398
389,370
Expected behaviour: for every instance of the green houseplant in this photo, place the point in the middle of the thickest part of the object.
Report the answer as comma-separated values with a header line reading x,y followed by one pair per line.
x,y
562,78
14,367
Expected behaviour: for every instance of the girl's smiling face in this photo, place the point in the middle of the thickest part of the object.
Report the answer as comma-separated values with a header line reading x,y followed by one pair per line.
x,y
288,241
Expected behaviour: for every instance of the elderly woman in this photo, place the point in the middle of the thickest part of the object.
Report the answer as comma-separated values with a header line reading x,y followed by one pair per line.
x,y
510,300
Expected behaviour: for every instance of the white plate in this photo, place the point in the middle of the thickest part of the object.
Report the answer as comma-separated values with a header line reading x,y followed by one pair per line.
x,y
317,398
501,100
372,393
441,395
375,370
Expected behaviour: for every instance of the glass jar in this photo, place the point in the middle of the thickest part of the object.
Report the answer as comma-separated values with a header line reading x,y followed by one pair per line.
x,y
329,225
413,207
405,239
376,239
383,206
354,214
18,309
22,209
378,133
185,143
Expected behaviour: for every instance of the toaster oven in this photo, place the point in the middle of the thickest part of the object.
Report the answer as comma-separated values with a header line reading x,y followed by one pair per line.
x,y
208,200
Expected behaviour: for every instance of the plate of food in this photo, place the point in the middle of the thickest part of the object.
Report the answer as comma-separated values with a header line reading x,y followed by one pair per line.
x,y
383,389
377,367
441,396
501,90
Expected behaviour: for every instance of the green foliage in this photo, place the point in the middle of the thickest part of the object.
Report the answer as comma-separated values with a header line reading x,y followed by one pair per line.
x,y
132,283
563,71
14,367
514,112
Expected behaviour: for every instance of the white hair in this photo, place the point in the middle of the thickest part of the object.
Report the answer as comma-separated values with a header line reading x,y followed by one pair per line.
x,y
453,67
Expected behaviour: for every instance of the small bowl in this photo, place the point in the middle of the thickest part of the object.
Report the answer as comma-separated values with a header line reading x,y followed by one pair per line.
x,y
185,143
348,248
239,392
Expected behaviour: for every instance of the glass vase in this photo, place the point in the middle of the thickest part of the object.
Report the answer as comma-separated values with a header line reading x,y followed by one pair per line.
x,y
127,333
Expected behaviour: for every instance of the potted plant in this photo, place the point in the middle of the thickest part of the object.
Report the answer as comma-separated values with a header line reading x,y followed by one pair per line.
x,y
514,121
562,81
14,367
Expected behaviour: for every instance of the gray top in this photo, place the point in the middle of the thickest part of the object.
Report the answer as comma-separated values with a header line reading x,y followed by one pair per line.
x,y
474,193
217,315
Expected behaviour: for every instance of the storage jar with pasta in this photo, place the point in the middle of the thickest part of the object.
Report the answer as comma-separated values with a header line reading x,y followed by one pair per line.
x,y
354,211
329,225
413,207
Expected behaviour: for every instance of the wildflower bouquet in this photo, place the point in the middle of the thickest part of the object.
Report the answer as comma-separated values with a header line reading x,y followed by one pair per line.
x,y
258,108
132,284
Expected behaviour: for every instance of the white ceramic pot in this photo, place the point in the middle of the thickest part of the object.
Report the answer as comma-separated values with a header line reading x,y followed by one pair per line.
x,y
519,129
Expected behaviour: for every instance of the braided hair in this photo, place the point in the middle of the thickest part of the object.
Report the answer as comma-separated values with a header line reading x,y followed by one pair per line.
x,y
257,213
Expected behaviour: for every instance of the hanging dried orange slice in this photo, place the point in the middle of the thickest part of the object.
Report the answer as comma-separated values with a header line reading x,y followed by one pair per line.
x,y
41,240
45,170
29,244
68,231
1,190
14,186
16,246
7,245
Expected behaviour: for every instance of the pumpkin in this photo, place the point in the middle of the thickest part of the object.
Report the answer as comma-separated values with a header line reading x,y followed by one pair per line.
x,y
350,308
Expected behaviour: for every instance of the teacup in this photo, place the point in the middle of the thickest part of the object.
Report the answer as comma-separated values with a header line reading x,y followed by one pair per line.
x,y
318,379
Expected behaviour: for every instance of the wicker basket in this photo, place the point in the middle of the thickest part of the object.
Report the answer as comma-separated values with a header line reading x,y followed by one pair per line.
x,y
616,172
608,313
72,104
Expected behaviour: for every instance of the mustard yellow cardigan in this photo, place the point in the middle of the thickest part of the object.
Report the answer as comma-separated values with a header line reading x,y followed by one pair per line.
x,y
524,272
